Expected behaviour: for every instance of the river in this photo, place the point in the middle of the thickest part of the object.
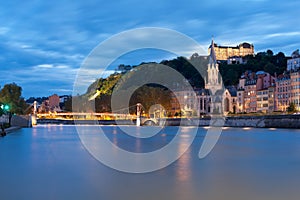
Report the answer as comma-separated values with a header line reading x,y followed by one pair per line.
x,y
50,162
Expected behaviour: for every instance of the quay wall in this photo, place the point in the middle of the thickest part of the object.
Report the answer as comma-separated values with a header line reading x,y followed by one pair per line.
x,y
272,121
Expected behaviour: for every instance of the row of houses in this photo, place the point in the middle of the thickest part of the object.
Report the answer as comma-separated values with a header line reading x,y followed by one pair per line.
x,y
261,92
256,91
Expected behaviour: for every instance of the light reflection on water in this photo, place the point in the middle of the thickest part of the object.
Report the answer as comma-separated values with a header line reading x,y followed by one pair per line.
x,y
49,162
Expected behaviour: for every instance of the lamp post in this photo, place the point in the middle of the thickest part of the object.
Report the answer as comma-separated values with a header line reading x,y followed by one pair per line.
x,y
6,108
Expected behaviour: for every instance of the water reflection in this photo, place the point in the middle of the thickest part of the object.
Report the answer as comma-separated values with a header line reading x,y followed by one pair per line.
x,y
183,171
49,162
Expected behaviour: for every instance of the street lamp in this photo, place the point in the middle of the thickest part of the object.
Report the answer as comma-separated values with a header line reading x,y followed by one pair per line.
x,y
5,107
6,110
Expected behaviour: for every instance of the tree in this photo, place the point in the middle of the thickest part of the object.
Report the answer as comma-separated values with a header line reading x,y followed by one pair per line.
x,y
11,95
270,52
149,96
270,68
292,108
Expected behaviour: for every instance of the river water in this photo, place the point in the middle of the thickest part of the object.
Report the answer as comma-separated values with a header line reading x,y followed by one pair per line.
x,y
50,162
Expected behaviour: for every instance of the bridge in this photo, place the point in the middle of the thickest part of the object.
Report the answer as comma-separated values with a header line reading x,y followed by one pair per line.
x,y
149,122
98,116
140,119
84,115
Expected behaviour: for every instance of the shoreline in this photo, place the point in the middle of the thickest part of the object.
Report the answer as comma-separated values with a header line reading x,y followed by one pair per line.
x,y
12,129
270,121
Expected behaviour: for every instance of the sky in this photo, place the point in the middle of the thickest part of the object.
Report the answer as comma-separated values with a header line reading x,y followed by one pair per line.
x,y
44,43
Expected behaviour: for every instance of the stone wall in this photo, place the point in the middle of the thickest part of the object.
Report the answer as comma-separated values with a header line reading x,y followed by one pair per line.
x,y
276,121
272,121
21,120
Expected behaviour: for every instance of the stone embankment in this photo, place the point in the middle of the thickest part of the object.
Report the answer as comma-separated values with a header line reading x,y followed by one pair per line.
x,y
272,121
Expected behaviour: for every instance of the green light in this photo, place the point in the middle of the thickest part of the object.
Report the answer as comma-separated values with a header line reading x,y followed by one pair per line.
x,y
5,107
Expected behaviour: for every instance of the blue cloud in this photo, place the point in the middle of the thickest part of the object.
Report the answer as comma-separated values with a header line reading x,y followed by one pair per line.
x,y
62,33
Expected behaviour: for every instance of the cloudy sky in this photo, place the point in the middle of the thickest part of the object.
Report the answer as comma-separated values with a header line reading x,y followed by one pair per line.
x,y
43,43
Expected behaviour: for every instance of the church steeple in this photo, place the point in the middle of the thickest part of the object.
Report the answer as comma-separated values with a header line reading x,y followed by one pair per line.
x,y
213,82
212,56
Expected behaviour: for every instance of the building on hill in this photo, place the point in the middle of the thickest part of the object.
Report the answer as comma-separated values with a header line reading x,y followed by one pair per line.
x,y
235,60
226,52
294,62
213,99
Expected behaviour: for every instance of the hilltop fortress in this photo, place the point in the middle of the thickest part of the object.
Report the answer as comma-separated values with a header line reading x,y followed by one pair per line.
x,y
227,52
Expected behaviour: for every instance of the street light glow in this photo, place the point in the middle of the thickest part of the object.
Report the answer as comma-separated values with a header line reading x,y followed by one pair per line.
x,y
5,107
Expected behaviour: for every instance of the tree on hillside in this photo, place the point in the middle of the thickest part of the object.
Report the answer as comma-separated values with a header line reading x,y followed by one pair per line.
x,y
11,95
270,52
270,68
262,61
149,96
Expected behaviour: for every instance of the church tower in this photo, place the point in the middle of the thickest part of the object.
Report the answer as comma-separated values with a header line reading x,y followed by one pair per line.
x,y
213,82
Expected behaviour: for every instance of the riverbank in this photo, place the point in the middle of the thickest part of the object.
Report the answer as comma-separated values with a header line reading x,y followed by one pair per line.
x,y
9,130
12,129
272,121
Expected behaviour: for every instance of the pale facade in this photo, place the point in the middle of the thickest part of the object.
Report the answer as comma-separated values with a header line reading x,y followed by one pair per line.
x,y
240,100
221,101
250,96
283,92
263,100
294,62
225,52
271,100
185,102
295,88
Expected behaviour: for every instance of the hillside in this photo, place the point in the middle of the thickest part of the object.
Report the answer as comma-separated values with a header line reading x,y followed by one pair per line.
x,y
189,68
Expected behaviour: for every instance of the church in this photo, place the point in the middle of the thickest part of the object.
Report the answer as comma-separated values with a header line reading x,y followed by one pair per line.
x,y
213,99
223,100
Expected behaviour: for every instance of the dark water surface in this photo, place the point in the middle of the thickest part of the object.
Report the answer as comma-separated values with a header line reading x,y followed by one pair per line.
x,y
49,162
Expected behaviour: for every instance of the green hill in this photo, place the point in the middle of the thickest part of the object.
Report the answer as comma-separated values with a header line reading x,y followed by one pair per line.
x,y
189,68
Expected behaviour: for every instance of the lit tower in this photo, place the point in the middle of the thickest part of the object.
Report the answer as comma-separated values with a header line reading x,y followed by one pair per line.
x,y
213,82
